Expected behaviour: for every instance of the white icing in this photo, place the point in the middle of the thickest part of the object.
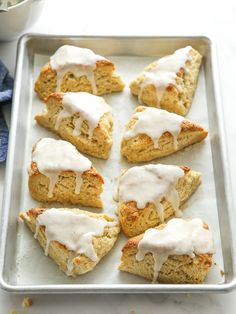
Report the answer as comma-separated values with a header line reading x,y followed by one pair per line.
x,y
165,71
70,265
54,156
151,184
178,237
89,107
155,122
75,231
79,61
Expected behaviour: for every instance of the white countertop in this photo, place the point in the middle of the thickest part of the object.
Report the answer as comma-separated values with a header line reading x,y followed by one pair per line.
x,y
216,19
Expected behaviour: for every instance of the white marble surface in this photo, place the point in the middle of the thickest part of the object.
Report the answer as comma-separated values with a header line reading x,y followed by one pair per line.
x,y
216,19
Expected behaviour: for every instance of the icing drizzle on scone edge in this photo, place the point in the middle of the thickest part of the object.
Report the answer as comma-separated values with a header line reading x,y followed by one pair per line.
x,y
54,156
151,184
178,237
165,72
154,123
91,108
75,231
79,61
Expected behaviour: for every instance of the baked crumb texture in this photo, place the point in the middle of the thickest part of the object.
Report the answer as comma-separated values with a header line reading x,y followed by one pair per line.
x,y
64,190
178,269
107,81
60,254
141,147
177,98
27,302
135,221
99,145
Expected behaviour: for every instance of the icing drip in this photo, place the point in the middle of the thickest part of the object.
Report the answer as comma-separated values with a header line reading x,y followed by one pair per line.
x,y
165,72
79,61
178,237
78,183
75,231
89,107
150,184
54,156
70,265
53,178
155,122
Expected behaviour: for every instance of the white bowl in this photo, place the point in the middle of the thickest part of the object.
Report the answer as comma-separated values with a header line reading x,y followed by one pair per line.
x,y
18,18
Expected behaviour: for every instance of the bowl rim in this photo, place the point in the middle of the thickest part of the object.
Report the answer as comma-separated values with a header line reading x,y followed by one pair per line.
x,y
16,5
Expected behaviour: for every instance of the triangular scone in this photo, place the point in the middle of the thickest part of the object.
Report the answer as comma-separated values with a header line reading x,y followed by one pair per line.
x,y
153,133
59,173
170,82
179,252
75,239
150,194
83,119
74,69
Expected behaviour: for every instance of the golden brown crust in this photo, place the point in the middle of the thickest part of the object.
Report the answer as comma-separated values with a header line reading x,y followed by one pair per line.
x,y
180,269
56,95
34,212
64,190
59,252
46,73
46,69
89,173
175,99
135,221
141,147
186,169
106,80
99,145
188,126
105,62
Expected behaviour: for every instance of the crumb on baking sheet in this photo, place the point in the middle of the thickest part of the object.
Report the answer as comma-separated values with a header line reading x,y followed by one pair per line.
x,y
222,273
184,206
27,302
13,312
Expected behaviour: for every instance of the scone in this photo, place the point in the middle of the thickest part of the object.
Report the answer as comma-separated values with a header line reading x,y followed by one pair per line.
x,y
153,133
74,69
170,82
179,252
59,173
150,194
83,119
75,239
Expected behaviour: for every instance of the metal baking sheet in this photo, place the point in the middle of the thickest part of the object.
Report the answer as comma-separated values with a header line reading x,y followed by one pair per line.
x,y
23,265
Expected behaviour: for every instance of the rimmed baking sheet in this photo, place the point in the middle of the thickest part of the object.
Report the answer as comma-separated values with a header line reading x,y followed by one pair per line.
x,y
25,267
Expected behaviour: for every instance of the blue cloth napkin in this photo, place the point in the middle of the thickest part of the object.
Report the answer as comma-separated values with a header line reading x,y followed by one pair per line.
x,y
6,87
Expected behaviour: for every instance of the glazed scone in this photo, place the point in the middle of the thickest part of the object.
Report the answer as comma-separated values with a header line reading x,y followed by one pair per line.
x,y
75,239
59,173
83,119
74,69
150,194
179,252
170,82
153,133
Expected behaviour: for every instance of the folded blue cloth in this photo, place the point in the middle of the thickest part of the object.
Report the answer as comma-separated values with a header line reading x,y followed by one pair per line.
x,y
6,87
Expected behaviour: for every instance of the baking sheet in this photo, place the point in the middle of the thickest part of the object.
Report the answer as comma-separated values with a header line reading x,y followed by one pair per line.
x,y
202,204
29,265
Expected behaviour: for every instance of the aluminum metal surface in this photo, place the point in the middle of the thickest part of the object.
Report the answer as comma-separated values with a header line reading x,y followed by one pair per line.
x,y
28,46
